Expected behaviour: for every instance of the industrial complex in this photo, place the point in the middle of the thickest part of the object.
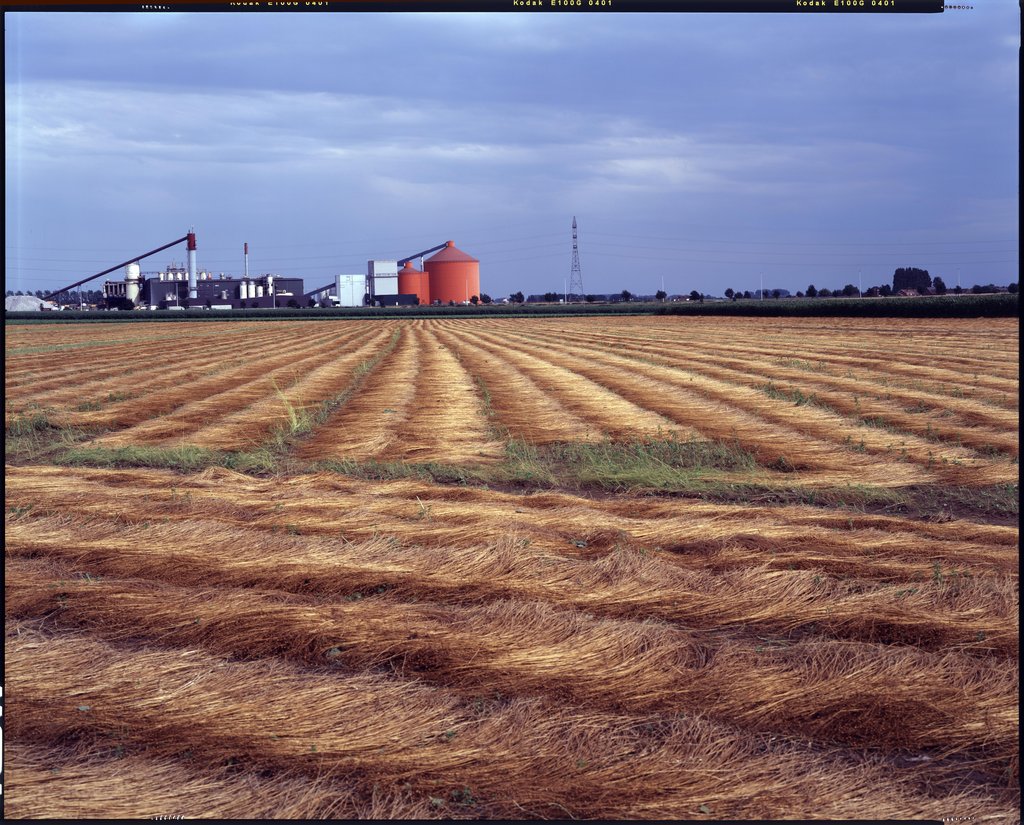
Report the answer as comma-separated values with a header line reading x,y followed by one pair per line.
x,y
448,276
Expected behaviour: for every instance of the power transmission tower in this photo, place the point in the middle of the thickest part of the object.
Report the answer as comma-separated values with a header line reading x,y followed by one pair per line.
x,y
575,276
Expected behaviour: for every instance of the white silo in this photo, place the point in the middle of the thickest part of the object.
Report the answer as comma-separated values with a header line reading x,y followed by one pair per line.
x,y
132,276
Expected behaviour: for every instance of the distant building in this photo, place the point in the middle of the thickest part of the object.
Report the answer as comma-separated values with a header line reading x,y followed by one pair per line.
x,y
169,289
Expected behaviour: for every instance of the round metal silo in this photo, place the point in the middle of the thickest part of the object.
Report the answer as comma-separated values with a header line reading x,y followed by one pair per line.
x,y
413,282
453,275
132,276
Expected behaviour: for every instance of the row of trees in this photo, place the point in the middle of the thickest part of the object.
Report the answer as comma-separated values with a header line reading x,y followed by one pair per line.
x,y
884,291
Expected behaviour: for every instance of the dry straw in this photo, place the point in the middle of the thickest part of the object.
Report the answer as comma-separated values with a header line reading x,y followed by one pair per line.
x,y
870,396
524,753
519,405
110,783
366,426
108,367
447,423
803,436
839,692
979,614
585,394
232,414
198,367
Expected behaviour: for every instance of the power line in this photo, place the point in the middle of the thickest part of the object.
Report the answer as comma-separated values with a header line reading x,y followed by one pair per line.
x,y
806,243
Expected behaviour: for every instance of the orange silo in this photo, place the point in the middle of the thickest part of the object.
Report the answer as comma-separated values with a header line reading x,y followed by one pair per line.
x,y
413,282
453,275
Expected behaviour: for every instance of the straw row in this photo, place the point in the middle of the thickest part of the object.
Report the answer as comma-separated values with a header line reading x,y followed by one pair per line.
x,y
365,426
715,371
696,535
943,352
844,693
518,403
962,420
54,379
177,408
110,782
954,351
795,431
154,392
975,615
710,408
447,422
579,401
515,756
282,407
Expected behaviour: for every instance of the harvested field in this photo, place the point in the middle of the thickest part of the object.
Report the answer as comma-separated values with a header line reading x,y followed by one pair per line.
x,y
675,568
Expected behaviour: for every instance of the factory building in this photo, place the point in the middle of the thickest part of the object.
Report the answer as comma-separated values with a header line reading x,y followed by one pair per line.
x,y
382,278
449,276
170,289
350,290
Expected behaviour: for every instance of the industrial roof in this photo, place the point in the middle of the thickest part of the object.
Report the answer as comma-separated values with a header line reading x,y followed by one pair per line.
x,y
451,253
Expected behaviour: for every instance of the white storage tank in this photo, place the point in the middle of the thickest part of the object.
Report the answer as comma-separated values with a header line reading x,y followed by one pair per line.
x,y
132,275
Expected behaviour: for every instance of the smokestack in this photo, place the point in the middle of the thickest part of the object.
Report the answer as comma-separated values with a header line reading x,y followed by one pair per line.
x,y
246,259
192,293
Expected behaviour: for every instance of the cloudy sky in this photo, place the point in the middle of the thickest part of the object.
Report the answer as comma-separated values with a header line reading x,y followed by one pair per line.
x,y
696,151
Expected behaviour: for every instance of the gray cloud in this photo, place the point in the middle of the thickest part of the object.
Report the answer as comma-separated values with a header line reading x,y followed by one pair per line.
x,y
350,136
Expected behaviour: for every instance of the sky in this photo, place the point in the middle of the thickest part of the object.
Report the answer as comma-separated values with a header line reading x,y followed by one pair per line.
x,y
696,151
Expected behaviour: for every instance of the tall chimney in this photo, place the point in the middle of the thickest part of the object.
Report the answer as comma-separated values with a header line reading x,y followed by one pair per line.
x,y
192,293
246,259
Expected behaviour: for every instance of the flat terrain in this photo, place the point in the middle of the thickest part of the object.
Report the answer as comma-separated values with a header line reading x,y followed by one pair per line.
x,y
683,568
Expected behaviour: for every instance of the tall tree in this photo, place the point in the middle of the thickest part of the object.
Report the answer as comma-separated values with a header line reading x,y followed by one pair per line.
x,y
910,277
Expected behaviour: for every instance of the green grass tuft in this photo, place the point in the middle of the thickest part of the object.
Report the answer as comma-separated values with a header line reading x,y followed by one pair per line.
x,y
185,458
